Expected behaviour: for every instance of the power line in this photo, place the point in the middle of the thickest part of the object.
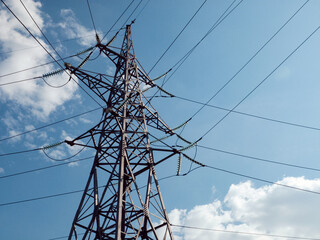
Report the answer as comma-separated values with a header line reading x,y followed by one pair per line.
x,y
94,26
41,65
50,54
37,149
198,163
39,77
124,11
66,158
250,115
110,30
226,231
131,14
41,43
43,168
57,238
222,17
210,148
60,41
60,194
20,81
260,179
142,9
243,233
236,74
40,198
180,62
203,165
201,146
114,25
75,38
255,88
259,159
252,57
50,124
186,25
20,152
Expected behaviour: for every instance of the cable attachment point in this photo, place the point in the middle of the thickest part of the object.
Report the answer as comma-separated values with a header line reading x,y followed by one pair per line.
x,y
190,146
84,51
67,65
181,125
192,160
50,74
161,76
160,139
98,38
183,139
112,39
52,145
161,89
84,61
71,143
179,164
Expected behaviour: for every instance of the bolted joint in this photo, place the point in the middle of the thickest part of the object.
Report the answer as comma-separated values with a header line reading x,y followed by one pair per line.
x,y
71,143
176,150
98,148
67,65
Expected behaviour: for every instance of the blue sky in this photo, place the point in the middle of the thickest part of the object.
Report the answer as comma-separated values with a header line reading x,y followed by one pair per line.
x,y
205,197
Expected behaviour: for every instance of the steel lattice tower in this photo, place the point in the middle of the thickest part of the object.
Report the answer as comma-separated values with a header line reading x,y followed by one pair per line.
x,y
122,198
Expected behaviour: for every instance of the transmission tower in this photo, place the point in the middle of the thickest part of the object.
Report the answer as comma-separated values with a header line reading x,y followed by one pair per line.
x,y
122,198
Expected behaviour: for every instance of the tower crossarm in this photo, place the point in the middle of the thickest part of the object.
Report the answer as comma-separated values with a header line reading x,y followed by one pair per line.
x,y
111,54
100,84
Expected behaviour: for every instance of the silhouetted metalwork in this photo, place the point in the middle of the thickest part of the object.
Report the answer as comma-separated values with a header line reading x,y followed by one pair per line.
x,y
122,198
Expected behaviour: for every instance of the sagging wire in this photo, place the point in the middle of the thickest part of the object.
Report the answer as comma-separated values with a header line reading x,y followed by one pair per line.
x,y
180,151
195,144
172,134
87,50
190,146
54,73
60,71
191,164
64,159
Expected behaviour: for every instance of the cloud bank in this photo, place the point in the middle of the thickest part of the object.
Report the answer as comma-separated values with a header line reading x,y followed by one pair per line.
x,y
38,98
268,209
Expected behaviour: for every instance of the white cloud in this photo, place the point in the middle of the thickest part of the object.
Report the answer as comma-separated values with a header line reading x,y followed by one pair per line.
x,y
29,127
84,120
56,154
13,133
73,29
268,209
73,164
72,150
36,96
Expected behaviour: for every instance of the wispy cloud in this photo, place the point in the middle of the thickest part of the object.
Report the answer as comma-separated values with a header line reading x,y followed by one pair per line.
x,y
36,96
72,28
267,209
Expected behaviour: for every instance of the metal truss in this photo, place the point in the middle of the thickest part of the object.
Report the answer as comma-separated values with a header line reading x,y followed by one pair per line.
x,y
122,198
